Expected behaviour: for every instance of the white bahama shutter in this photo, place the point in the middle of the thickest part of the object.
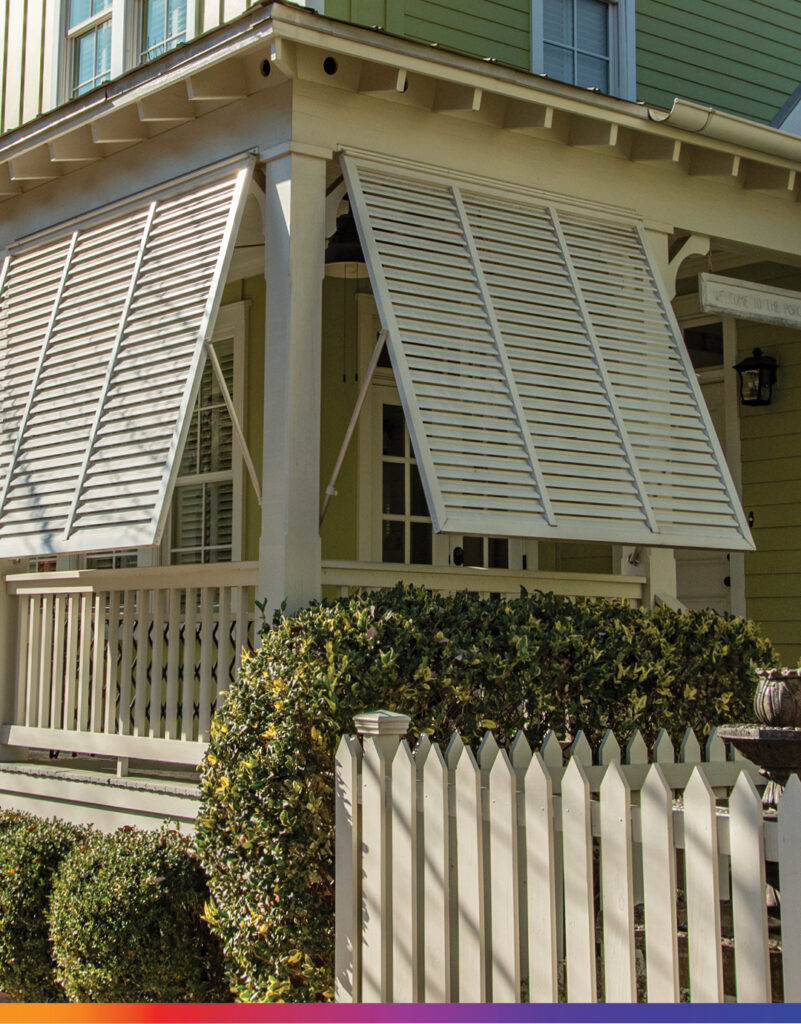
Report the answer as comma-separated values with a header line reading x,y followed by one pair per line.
x,y
102,331
546,387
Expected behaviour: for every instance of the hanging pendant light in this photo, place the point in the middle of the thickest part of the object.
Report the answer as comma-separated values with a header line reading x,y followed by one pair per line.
x,y
343,254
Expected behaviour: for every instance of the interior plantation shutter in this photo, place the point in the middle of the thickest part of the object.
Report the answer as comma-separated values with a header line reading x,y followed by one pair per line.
x,y
545,384
102,331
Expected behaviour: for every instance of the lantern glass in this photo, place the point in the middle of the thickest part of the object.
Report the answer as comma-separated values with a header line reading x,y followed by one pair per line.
x,y
757,375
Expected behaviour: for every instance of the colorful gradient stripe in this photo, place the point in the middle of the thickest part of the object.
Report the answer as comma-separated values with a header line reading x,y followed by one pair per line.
x,y
166,1013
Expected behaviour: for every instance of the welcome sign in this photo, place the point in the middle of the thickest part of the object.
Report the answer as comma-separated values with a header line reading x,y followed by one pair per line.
x,y
749,301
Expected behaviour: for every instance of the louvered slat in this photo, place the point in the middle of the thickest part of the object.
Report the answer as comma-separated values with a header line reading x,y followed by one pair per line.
x,y
101,344
545,387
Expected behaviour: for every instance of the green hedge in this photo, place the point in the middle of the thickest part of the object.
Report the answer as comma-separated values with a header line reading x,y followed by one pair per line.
x,y
31,850
265,831
125,921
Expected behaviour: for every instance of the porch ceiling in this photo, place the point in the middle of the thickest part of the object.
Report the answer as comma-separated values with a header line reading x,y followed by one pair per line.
x,y
273,42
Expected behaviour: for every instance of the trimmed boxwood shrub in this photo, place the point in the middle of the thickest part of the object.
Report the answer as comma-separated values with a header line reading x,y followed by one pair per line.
x,y
266,825
31,850
125,921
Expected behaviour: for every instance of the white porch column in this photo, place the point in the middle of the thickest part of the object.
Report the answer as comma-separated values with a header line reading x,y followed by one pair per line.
x,y
8,656
294,232
658,565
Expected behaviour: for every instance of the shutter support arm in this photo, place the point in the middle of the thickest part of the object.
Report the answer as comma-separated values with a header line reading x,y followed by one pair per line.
x,y
229,405
330,490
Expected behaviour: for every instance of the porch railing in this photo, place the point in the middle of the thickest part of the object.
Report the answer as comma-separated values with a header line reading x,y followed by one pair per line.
x,y
124,663
347,576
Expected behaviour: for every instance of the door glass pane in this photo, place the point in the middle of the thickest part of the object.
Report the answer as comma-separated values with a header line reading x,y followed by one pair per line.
x,y
592,26
473,548
498,553
417,497
392,541
557,19
592,72
393,494
394,430
420,543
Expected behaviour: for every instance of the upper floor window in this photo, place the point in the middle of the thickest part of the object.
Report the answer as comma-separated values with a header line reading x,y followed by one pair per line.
x,y
163,26
89,37
589,43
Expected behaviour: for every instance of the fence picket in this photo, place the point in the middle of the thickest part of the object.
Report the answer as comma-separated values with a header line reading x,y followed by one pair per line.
x,y
468,943
659,888
504,915
703,892
609,750
663,749
552,756
690,748
520,756
751,953
404,956
436,963
636,749
790,879
347,969
580,749
541,883
376,869
579,901
617,874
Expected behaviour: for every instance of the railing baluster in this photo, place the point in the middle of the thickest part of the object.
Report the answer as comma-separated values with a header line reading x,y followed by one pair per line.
x,y
157,663
173,656
142,644
242,623
98,661
223,644
68,709
111,660
204,693
59,638
45,662
84,669
126,664
33,663
23,647
190,658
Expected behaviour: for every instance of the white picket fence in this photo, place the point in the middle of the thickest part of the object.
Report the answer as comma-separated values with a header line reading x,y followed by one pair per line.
x,y
504,876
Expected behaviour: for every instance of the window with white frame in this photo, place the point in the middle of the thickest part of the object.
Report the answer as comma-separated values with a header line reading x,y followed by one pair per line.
x,y
589,43
89,44
206,505
163,26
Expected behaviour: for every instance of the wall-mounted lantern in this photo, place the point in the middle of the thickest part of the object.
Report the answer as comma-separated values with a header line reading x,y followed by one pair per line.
x,y
757,375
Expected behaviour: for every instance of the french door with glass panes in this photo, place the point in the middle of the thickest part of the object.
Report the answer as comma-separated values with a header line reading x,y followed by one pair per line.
x,y
400,529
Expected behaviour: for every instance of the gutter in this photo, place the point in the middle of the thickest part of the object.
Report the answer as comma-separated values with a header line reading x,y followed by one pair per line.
x,y
730,129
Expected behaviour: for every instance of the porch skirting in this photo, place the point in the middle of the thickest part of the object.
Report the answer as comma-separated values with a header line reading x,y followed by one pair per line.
x,y
91,797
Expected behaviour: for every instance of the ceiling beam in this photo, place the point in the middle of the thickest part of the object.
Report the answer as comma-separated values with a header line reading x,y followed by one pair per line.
x,y
220,82
35,165
76,146
121,125
380,78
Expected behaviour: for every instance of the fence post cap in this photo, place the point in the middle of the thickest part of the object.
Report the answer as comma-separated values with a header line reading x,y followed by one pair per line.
x,y
381,723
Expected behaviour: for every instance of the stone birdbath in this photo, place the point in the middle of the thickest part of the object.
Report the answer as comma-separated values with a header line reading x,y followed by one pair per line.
x,y
775,743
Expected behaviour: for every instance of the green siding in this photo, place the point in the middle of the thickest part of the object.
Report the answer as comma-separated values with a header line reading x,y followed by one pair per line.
x,y
771,461
500,29
741,56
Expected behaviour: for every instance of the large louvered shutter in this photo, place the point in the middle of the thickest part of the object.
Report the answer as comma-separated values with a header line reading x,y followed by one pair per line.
x,y
102,328
547,390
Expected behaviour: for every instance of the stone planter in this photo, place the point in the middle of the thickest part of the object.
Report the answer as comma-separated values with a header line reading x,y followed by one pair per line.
x,y
777,701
